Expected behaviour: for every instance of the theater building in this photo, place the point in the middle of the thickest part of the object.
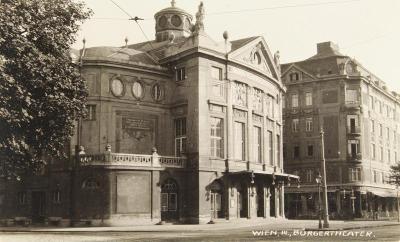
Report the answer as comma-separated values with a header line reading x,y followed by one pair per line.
x,y
360,118
181,129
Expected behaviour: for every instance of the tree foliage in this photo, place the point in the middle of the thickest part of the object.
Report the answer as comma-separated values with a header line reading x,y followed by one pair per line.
x,y
394,177
41,91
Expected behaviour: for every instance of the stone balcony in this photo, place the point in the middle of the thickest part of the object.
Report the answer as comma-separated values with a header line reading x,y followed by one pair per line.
x,y
154,160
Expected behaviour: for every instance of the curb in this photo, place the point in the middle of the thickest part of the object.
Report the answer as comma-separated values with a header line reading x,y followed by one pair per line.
x,y
350,228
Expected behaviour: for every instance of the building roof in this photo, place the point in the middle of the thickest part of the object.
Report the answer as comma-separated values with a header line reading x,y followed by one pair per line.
x,y
237,44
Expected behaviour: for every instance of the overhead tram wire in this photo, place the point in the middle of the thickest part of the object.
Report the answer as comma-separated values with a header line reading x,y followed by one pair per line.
x,y
244,10
282,7
136,19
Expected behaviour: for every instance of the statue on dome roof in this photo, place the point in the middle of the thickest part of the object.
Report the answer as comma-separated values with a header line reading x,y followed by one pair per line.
x,y
199,26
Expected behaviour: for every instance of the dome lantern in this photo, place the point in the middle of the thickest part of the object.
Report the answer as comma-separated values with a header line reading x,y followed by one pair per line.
x,y
172,20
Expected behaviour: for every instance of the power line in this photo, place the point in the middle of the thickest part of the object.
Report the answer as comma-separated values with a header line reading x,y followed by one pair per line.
x,y
136,19
281,7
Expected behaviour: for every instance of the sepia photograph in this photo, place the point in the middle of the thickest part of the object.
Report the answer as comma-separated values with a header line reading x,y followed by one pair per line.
x,y
189,120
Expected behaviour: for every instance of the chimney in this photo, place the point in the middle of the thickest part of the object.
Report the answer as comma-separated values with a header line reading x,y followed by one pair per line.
x,y
327,48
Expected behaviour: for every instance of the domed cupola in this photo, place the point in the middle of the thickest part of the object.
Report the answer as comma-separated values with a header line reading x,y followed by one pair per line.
x,y
172,21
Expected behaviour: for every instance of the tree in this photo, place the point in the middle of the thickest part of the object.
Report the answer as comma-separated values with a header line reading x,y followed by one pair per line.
x,y
41,91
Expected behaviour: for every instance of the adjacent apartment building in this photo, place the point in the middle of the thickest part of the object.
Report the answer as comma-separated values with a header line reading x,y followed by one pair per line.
x,y
360,118
182,128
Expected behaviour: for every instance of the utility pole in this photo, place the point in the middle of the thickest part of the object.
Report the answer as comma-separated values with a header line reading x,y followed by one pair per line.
x,y
325,189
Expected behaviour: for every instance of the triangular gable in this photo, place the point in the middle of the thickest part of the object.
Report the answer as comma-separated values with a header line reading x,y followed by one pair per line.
x,y
256,55
295,68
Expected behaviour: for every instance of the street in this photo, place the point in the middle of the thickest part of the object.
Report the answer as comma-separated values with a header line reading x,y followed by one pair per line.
x,y
270,232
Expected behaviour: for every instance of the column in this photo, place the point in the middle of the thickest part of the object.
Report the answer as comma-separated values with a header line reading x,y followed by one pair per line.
x,y
155,196
282,200
229,122
277,202
266,194
249,140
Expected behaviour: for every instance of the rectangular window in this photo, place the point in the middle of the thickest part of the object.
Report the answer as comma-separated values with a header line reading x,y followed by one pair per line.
x,y
217,137
295,100
257,144
371,102
295,125
373,152
164,201
355,174
309,124
240,142
180,136
387,133
310,150
388,156
21,198
278,150
380,130
270,148
308,98
181,74
352,125
383,177
90,112
216,73
56,197
381,154
375,176
353,148
309,175
296,152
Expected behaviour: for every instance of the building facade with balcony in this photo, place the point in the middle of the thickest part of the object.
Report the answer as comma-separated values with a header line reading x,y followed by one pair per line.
x,y
183,129
360,119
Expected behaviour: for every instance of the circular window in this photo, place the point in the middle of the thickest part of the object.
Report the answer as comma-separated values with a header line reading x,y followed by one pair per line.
x,y
157,92
117,87
176,20
137,90
257,58
162,21
187,21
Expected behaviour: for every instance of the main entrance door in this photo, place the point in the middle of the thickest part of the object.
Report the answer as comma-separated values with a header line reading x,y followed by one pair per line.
x,y
38,207
169,200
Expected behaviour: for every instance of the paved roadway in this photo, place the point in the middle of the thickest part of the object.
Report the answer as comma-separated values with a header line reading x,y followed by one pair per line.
x,y
385,233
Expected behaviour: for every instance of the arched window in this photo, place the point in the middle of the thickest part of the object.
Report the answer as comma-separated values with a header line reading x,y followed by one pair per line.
x,y
169,198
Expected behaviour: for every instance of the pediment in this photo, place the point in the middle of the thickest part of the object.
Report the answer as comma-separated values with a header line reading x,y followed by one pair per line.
x,y
256,55
293,69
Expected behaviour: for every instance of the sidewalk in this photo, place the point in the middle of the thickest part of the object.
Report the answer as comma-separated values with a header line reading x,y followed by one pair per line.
x,y
270,224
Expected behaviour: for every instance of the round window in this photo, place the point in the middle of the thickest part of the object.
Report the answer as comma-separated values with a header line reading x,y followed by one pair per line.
x,y
176,20
117,87
162,21
157,92
137,90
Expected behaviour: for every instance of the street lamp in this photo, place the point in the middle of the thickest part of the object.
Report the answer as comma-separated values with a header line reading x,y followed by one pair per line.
x,y
323,169
318,180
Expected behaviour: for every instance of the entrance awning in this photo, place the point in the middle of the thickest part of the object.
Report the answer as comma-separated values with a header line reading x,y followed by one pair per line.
x,y
257,172
384,193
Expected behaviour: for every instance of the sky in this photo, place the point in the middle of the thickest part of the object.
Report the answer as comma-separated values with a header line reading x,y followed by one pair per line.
x,y
368,30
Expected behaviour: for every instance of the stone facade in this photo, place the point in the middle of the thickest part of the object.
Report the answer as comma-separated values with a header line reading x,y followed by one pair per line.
x,y
181,129
360,119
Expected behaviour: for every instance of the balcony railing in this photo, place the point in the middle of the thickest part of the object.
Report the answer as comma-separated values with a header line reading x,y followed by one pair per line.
x,y
353,130
135,160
